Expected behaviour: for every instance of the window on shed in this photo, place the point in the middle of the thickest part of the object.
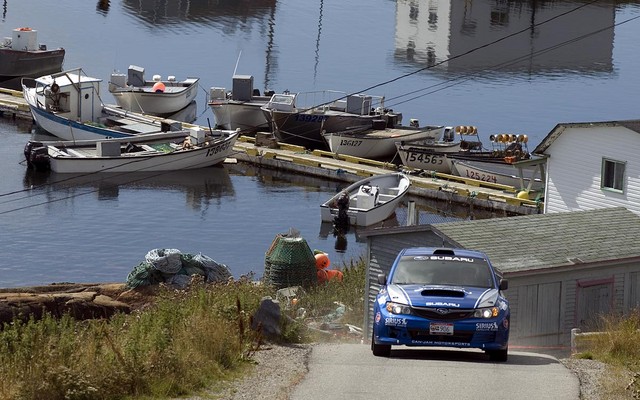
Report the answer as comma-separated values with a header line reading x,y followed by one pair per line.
x,y
612,175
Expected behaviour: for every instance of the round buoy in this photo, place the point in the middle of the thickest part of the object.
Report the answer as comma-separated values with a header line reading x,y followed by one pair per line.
x,y
322,276
158,87
523,195
322,261
334,274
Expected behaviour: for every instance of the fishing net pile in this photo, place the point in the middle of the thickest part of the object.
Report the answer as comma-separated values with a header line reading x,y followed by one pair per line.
x,y
173,267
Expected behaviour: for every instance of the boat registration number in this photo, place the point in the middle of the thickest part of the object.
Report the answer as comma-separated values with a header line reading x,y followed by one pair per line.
x,y
440,328
310,118
479,176
425,158
350,142
217,149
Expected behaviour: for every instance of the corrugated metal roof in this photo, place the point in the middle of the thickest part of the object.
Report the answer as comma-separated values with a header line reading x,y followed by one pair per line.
x,y
550,240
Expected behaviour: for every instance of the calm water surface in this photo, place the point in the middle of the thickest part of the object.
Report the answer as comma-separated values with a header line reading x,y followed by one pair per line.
x,y
503,66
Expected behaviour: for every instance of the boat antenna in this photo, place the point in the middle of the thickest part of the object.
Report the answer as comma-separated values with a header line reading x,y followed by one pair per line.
x,y
237,62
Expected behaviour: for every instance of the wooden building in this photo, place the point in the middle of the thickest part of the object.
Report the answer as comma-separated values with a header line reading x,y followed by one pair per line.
x,y
592,165
565,269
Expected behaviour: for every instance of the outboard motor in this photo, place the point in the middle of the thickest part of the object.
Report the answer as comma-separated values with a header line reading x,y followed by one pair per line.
x,y
37,156
341,221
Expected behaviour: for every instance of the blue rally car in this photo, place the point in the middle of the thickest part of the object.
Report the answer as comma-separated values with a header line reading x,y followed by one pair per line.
x,y
441,297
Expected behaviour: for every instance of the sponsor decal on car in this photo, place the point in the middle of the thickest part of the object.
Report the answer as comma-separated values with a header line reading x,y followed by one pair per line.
x,y
391,321
486,326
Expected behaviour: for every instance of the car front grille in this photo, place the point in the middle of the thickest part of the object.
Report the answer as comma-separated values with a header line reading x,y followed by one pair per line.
x,y
452,315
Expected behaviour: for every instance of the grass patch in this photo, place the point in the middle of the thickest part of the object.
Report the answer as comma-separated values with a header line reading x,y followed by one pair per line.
x,y
188,341
617,345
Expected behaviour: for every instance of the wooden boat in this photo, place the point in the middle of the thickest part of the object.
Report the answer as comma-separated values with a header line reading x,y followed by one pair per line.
x,y
241,107
67,104
367,201
189,149
380,144
22,56
301,118
159,97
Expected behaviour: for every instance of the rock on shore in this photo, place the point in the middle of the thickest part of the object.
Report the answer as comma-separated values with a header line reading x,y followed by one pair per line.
x,y
81,301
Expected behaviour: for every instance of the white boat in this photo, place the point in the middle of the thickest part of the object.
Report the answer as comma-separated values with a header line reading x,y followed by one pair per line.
x,y
367,201
500,172
301,117
379,144
241,107
159,97
68,105
194,148
21,55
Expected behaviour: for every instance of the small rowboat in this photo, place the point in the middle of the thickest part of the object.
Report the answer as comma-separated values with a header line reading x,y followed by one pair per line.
x,y
367,201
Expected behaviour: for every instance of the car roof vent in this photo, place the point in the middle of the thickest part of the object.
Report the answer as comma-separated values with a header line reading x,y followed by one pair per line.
x,y
449,252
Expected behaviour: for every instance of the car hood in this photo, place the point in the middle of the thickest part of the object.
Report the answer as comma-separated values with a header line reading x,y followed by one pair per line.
x,y
446,296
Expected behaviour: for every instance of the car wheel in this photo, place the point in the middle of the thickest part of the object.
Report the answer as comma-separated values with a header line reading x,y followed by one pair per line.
x,y
498,355
380,350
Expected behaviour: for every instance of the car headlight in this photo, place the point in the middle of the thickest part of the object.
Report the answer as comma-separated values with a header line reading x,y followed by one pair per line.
x,y
489,312
397,308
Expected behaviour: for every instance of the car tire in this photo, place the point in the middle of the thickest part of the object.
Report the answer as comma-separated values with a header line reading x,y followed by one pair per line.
x,y
380,350
498,355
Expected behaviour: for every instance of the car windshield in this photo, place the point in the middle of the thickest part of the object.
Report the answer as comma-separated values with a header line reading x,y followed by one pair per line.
x,y
431,270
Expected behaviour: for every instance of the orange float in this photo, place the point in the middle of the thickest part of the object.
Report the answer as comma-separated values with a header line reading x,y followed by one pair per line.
x,y
322,261
158,87
334,274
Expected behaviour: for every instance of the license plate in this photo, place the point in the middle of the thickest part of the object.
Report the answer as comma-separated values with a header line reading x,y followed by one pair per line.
x,y
439,328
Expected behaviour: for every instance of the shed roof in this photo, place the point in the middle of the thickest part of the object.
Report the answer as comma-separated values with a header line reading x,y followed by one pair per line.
x,y
633,125
543,241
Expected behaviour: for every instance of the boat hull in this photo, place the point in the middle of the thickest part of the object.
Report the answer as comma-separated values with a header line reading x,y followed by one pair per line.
x,y
197,157
378,144
176,96
244,115
497,172
17,63
364,210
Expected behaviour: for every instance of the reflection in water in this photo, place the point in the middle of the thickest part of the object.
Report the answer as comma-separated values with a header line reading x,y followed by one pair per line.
x,y
315,66
539,38
103,7
202,187
231,14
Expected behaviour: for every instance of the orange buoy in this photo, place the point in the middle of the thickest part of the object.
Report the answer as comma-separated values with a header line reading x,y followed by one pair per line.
x,y
158,87
322,276
322,261
334,274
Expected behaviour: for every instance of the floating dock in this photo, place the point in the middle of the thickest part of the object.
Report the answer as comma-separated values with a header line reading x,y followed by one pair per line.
x,y
13,105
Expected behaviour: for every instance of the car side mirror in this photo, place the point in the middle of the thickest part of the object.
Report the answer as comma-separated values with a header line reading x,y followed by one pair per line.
x,y
382,279
504,284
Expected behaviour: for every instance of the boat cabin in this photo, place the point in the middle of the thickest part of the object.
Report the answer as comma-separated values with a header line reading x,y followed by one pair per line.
x,y
71,94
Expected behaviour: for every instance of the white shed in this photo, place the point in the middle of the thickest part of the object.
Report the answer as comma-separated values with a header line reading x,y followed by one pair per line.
x,y
592,165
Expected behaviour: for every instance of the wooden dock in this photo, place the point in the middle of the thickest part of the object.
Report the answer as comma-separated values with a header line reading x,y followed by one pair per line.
x,y
13,105
351,169
269,153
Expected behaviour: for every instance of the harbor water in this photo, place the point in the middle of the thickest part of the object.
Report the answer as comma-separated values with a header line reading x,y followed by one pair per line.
x,y
505,67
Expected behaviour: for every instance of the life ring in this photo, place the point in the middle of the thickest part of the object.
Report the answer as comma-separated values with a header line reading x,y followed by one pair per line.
x,y
24,29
